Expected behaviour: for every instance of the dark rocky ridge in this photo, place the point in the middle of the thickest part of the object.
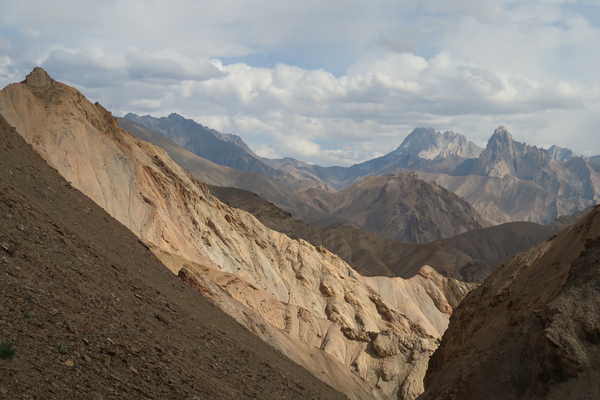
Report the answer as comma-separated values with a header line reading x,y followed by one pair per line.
x,y
400,207
531,331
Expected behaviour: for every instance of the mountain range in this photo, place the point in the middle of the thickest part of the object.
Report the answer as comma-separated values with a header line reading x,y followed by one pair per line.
x,y
157,258
469,256
377,204
505,182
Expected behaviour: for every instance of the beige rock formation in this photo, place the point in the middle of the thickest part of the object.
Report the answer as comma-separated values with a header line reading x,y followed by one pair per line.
x,y
376,333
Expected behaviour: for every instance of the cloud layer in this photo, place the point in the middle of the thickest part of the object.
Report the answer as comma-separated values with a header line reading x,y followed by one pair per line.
x,y
332,83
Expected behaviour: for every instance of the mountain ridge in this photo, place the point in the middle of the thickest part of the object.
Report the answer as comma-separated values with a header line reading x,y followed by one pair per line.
x,y
321,205
529,332
470,256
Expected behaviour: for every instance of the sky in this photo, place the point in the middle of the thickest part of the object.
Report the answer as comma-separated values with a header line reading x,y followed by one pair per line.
x,y
329,82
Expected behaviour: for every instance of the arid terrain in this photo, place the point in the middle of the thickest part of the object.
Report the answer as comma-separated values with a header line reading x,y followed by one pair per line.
x,y
130,275
92,314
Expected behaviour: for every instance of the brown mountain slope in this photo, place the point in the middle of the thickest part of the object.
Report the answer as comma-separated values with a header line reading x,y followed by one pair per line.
x,y
400,207
92,314
470,256
367,337
531,331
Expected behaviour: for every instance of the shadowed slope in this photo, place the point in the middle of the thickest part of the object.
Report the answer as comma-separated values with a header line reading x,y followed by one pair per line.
x,y
531,331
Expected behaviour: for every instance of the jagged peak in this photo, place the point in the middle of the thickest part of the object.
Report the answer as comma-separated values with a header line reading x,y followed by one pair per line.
x,y
427,143
502,133
561,153
176,116
38,78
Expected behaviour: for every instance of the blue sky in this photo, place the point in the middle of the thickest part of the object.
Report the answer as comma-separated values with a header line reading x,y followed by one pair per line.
x,y
332,82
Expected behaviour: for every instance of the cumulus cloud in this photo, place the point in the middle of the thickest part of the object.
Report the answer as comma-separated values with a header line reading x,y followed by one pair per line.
x,y
329,82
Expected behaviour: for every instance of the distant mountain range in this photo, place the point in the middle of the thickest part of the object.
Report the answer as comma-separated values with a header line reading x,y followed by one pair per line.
x,y
224,149
470,256
507,181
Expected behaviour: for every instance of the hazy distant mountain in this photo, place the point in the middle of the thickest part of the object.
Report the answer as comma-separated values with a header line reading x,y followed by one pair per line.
x,y
423,149
512,181
224,149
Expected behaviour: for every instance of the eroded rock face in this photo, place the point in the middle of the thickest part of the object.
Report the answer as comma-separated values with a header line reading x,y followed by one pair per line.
x,y
531,330
368,333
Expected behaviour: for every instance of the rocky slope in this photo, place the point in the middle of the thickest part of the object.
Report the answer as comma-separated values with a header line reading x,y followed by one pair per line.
x,y
531,330
470,256
400,207
91,313
373,336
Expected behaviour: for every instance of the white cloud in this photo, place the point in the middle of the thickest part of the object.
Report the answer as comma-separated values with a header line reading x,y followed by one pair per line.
x,y
394,65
